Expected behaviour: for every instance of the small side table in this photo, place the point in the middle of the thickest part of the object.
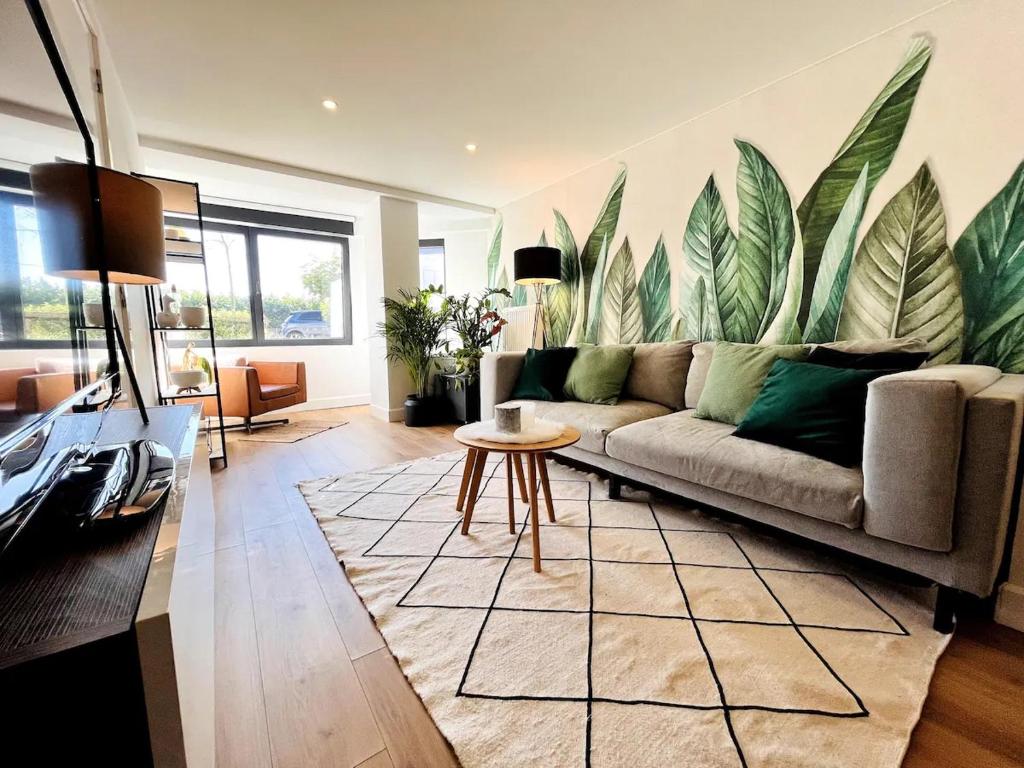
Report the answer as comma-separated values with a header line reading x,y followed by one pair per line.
x,y
535,453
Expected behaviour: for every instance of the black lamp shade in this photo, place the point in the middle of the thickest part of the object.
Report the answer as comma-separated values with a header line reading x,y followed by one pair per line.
x,y
538,265
133,224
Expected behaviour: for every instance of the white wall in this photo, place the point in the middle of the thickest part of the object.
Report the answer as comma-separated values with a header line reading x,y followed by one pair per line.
x,y
966,123
465,250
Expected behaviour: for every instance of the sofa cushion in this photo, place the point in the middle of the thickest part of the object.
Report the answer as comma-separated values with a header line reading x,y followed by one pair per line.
x,y
705,452
658,373
272,391
698,374
595,421
735,377
598,374
870,346
543,373
890,360
814,409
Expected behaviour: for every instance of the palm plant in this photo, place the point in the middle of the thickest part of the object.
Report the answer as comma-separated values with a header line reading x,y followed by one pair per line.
x,y
413,328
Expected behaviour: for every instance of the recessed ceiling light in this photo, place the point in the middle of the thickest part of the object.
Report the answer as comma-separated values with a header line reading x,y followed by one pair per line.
x,y
471,148
329,104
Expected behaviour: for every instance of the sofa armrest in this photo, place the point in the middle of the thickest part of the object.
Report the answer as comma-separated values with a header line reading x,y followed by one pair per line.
x,y
498,374
42,391
913,441
9,382
239,388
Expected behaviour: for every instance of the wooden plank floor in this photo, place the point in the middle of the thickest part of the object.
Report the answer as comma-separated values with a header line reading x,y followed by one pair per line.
x,y
304,679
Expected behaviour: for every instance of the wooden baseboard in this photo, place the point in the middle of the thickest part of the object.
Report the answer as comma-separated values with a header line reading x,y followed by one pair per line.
x,y
1010,606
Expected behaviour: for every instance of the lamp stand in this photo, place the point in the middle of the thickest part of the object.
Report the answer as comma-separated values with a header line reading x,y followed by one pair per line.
x,y
130,370
538,315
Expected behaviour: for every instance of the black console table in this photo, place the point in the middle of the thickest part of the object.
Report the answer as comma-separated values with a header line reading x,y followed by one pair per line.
x,y
87,669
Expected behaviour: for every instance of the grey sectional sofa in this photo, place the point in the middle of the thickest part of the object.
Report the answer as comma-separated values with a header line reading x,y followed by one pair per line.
x,y
933,496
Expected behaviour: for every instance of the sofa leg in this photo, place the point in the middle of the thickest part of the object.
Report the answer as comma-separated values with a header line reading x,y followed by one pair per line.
x,y
248,425
614,487
945,610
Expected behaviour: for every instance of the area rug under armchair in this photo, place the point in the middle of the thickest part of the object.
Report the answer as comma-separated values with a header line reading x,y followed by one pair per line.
x,y
656,635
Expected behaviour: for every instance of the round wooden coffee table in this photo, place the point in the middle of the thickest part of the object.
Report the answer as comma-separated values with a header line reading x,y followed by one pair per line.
x,y
476,456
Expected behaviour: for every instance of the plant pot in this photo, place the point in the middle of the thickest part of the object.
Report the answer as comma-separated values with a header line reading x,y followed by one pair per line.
x,y
464,398
422,411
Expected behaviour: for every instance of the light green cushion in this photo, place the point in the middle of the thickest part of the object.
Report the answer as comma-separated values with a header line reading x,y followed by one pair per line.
x,y
598,373
735,377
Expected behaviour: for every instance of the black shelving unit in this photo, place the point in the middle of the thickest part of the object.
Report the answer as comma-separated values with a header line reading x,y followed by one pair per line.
x,y
181,200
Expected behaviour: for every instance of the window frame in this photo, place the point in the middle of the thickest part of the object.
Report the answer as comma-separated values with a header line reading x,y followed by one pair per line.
x,y
12,311
251,232
433,242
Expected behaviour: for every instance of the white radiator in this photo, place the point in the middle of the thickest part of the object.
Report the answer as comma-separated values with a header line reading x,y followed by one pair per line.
x,y
515,336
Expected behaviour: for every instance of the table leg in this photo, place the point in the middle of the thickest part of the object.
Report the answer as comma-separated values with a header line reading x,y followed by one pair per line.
x,y
474,489
542,465
518,459
511,498
534,523
467,473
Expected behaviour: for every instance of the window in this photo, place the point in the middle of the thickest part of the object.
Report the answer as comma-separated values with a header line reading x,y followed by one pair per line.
x,y
431,263
33,305
267,286
303,291
227,266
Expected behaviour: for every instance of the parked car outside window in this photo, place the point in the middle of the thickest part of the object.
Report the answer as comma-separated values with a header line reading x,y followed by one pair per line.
x,y
306,324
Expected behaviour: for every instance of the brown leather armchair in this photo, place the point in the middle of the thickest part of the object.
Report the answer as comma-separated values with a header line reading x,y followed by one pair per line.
x,y
32,390
255,388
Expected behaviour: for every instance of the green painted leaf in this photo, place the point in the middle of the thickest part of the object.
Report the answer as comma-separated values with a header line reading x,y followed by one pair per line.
x,y
990,253
500,302
785,328
560,299
709,246
904,280
830,285
873,142
621,319
698,325
592,322
655,285
764,245
494,256
604,229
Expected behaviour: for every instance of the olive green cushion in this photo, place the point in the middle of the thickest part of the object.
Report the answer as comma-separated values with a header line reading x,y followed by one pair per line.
x,y
598,373
735,376
814,409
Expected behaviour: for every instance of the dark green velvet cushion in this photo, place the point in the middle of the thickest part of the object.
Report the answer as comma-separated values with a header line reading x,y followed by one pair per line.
x,y
815,409
543,374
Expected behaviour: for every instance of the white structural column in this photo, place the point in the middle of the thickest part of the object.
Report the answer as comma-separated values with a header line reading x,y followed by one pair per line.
x,y
390,232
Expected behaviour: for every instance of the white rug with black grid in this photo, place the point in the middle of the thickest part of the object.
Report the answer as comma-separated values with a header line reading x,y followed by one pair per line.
x,y
656,635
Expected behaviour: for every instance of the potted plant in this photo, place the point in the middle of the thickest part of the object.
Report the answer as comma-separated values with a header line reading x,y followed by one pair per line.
x,y
413,329
477,323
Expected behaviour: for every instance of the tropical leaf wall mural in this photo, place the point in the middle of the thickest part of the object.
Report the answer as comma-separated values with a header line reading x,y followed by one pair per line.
x,y
811,273
904,280
654,292
872,142
990,254
622,321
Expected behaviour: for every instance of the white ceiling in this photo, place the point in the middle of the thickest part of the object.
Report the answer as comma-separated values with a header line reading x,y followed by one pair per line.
x,y
544,87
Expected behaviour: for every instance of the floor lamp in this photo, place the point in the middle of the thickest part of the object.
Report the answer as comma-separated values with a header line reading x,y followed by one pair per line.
x,y
538,265
128,250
